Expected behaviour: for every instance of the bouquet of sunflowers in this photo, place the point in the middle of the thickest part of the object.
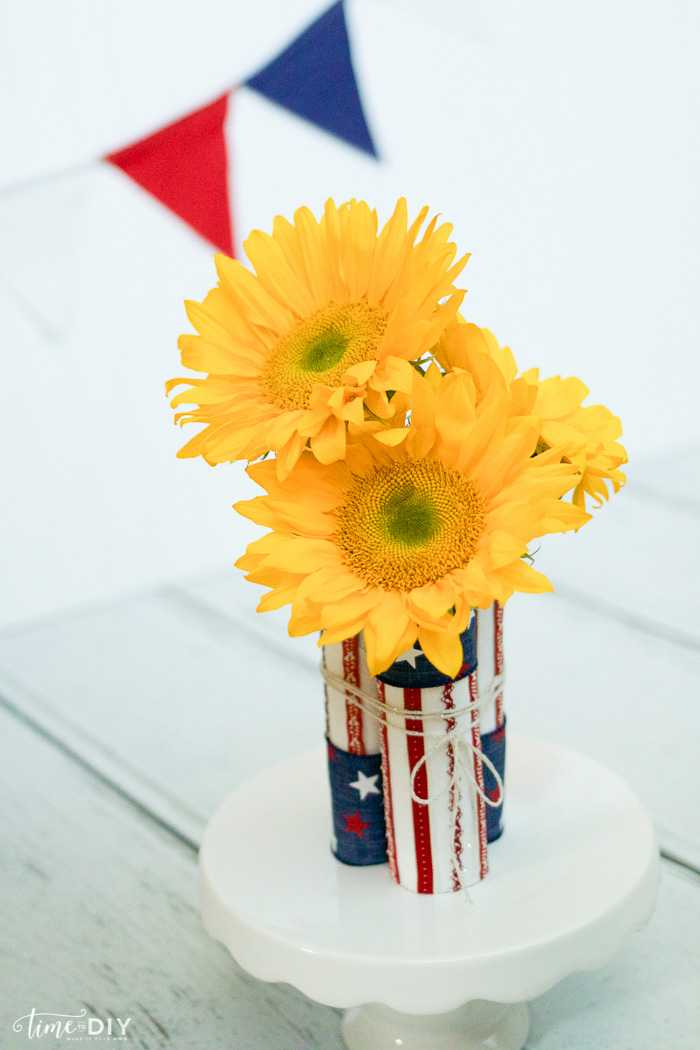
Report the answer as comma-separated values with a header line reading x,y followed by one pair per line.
x,y
412,466
407,467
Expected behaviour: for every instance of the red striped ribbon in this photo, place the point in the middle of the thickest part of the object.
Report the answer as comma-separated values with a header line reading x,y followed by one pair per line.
x,y
421,816
353,712
498,657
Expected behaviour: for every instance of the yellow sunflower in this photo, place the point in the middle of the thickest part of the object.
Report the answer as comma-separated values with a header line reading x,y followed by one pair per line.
x,y
417,526
584,435
318,335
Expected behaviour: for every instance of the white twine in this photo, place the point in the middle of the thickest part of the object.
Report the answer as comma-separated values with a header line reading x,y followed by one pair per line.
x,y
453,742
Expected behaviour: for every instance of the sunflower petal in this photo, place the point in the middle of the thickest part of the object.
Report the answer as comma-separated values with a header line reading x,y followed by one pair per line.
x,y
443,650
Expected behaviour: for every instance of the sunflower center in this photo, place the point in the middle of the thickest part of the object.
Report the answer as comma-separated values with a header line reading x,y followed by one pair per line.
x,y
324,352
319,349
410,518
409,524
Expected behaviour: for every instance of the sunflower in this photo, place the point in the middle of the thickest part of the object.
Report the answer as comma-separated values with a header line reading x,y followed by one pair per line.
x,y
584,435
318,335
418,525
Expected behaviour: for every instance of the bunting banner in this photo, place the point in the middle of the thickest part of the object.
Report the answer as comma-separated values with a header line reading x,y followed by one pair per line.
x,y
185,166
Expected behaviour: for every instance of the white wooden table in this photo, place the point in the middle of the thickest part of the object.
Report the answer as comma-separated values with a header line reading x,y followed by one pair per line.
x,y
124,726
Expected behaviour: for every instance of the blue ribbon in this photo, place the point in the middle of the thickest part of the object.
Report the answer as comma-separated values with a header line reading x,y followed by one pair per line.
x,y
493,745
358,808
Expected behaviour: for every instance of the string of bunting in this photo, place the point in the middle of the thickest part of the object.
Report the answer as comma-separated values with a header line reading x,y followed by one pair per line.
x,y
185,165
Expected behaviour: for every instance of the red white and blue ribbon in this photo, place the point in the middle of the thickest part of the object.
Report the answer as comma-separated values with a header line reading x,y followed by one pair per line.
x,y
346,724
354,758
489,647
359,831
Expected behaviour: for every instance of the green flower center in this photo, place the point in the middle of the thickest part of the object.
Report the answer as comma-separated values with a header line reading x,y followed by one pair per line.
x,y
409,524
324,352
320,349
410,517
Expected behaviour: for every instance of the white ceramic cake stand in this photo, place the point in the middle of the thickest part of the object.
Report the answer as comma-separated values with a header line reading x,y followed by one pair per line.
x,y
574,874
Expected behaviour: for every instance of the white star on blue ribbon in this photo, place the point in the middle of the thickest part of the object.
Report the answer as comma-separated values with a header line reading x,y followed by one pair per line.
x,y
410,656
366,785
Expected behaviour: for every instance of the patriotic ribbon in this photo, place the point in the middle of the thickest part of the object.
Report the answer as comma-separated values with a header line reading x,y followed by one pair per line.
x,y
489,650
461,747
354,758
346,727
493,745
359,830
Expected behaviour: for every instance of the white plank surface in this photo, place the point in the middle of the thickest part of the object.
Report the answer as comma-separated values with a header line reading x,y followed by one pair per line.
x,y
639,558
648,999
615,693
100,911
173,703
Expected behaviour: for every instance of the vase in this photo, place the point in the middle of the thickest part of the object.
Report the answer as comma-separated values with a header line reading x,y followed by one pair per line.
x,y
416,759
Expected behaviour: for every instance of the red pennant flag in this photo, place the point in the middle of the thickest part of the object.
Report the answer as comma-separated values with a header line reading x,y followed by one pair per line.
x,y
185,166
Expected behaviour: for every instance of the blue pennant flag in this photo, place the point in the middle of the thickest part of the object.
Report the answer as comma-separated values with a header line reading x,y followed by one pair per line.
x,y
314,78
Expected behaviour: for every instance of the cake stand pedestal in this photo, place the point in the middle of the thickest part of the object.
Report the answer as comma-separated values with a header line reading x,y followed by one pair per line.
x,y
572,877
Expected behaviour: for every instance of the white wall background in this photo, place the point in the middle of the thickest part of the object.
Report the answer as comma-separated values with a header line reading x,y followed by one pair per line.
x,y
560,139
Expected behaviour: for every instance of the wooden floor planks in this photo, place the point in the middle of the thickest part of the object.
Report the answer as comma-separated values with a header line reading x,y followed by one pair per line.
x,y
104,916
103,913
648,999
639,557
172,706
606,689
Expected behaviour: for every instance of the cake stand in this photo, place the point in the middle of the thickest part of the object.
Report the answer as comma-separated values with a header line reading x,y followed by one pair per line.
x,y
574,874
